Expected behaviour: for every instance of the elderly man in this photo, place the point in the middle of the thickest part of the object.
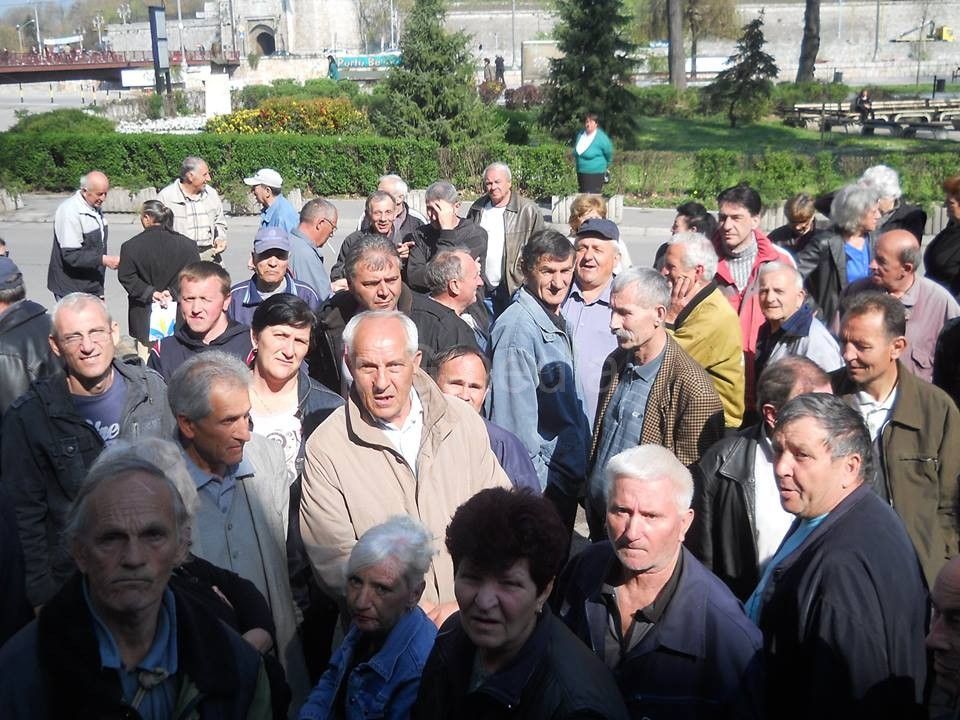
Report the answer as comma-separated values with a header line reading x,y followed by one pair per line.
x,y
893,269
54,432
398,447
739,522
655,392
318,222
446,230
586,310
275,209
25,353
674,636
117,640
378,220
510,222
372,268
204,298
944,641
405,218
791,327
464,372
842,603
197,208
533,387
441,317
243,490
271,260
78,258
702,321
743,249
914,426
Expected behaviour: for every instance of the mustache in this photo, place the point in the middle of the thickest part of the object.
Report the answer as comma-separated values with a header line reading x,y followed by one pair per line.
x,y
623,334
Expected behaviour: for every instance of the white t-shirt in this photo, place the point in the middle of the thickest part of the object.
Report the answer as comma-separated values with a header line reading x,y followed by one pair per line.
x,y
772,520
283,429
585,141
491,220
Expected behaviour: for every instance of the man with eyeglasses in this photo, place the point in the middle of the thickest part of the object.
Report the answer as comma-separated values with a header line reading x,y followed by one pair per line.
x,y
53,432
318,222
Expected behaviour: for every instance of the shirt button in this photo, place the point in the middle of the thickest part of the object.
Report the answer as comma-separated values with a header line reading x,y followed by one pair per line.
x,y
229,526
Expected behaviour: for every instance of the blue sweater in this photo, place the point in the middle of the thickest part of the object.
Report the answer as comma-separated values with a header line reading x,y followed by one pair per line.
x,y
596,158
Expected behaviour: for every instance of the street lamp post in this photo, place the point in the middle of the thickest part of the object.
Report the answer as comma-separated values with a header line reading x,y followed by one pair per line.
x,y
98,24
20,28
183,52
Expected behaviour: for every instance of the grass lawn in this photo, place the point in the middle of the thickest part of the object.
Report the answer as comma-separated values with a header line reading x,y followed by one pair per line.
x,y
660,133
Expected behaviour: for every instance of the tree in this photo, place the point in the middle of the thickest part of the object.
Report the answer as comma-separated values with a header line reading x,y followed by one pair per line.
x,y
593,74
432,94
675,51
810,44
743,88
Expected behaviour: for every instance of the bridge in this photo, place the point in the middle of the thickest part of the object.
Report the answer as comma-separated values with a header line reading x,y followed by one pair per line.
x,y
94,65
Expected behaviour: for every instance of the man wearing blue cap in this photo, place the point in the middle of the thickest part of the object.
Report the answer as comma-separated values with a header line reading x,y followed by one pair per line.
x,y
271,262
275,209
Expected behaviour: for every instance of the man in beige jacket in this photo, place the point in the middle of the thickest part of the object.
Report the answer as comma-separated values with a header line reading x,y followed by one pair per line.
x,y
398,447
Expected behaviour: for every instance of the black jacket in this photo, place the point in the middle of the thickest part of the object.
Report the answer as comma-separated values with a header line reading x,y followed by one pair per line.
x,y
438,328
170,353
723,533
946,360
46,448
429,240
51,669
941,261
150,262
847,612
553,676
409,224
25,353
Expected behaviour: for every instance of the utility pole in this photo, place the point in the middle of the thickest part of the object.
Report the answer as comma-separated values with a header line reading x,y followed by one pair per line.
x,y
513,16
876,34
36,24
98,24
183,52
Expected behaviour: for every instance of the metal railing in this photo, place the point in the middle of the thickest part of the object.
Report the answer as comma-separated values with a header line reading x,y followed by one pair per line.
x,y
96,57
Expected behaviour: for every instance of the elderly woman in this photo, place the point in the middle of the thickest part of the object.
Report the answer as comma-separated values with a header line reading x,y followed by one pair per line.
x,y
801,212
941,262
894,213
841,255
593,153
505,655
376,671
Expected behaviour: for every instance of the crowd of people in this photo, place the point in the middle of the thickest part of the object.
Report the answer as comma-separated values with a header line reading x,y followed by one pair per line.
x,y
354,491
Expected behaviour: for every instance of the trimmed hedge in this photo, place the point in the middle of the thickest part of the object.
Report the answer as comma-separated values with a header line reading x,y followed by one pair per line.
x,y
351,165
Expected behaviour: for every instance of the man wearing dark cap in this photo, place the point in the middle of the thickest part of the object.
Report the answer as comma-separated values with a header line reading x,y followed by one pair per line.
x,y
271,263
587,308
25,353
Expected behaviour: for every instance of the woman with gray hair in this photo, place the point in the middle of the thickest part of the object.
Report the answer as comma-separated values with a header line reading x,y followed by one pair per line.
x,y
894,213
376,671
834,258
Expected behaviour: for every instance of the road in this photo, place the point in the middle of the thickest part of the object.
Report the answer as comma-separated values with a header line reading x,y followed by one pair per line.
x,y
28,233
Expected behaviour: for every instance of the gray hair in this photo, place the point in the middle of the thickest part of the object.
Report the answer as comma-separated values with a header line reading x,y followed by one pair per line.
x,y
647,463
884,180
163,454
442,190
119,465
699,251
75,301
370,250
786,377
409,329
652,288
315,209
401,538
188,392
444,267
843,428
777,266
377,196
190,164
501,166
849,205
397,181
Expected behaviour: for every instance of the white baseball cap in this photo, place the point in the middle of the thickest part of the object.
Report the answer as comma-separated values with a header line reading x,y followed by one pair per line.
x,y
265,176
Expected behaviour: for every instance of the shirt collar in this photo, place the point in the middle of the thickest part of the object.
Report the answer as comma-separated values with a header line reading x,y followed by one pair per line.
x,y
909,298
648,371
865,400
201,477
654,611
416,411
603,298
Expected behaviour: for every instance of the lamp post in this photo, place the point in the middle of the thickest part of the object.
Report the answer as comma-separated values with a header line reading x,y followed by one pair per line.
x,y
36,26
183,52
98,24
20,27
124,12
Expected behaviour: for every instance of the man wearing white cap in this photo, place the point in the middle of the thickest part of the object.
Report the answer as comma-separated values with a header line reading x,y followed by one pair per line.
x,y
275,209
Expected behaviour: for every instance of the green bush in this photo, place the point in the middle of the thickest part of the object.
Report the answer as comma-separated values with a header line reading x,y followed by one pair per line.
x,y
154,109
62,121
667,101
538,171
285,115
788,94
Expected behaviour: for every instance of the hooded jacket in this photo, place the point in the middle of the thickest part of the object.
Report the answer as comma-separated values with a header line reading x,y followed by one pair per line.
x,y
168,354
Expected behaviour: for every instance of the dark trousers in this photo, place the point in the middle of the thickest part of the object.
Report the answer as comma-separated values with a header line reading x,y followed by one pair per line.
x,y
590,182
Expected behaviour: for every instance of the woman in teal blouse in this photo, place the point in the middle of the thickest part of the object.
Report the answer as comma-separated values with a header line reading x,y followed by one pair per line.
x,y
593,152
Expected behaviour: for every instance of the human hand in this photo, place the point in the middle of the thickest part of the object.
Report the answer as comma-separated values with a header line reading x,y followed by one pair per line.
x,y
110,261
404,249
680,296
219,245
438,613
338,285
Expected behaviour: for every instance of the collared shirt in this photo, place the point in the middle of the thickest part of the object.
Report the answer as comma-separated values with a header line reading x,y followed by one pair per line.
x,y
280,214
491,220
771,520
928,306
623,421
156,703
616,645
588,324
200,218
875,414
407,438
219,489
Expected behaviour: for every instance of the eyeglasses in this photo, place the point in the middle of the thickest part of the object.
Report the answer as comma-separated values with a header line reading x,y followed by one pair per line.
x,y
98,336
333,225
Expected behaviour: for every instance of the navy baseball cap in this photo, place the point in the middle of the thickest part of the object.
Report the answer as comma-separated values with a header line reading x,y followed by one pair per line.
x,y
10,276
599,227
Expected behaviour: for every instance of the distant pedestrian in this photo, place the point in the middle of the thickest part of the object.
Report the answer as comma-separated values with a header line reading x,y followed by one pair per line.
x,y
499,64
487,71
593,153
333,71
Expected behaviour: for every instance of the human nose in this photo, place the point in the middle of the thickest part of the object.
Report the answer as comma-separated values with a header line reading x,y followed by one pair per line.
x,y
486,597
382,290
363,598
242,428
133,555
873,264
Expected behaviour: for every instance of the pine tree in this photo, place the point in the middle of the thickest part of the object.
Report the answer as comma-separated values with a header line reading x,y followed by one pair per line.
x,y
743,89
433,94
594,71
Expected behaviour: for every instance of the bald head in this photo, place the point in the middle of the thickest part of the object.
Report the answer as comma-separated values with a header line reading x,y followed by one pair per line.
x,y
894,265
93,187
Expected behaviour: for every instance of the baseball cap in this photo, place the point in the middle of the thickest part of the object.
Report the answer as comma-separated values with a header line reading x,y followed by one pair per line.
x,y
271,238
599,226
265,176
10,276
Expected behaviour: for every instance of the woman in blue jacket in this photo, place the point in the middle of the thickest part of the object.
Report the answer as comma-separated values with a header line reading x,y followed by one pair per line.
x,y
593,153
